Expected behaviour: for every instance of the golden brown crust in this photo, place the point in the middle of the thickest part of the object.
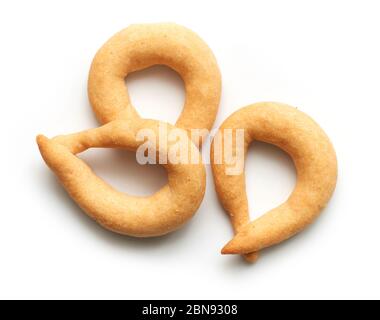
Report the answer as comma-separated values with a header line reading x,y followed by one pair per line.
x,y
132,49
165,211
315,161
141,46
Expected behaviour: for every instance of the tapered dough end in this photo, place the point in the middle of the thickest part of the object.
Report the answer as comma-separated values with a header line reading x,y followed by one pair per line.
x,y
41,141
251,257
52,153
239,245
44,144
231,248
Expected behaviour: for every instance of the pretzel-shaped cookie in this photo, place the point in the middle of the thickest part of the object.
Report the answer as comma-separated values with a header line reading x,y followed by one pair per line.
x,y
315,161
166,210
135,48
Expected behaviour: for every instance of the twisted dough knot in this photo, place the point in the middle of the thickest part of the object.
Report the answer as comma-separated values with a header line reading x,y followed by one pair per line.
x,y
136,48
142,46
315,161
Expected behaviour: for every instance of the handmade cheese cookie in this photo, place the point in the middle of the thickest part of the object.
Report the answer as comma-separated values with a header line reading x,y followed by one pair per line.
x,y
164,211
315,161
132,49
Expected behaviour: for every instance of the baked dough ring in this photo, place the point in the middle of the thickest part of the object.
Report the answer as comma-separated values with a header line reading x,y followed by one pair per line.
x,y
315,161
141,46
155,215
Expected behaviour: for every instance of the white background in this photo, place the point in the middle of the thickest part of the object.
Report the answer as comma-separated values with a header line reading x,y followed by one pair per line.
x,y
321,56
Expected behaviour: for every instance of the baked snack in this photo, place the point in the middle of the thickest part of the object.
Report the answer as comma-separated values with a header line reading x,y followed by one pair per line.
x,y
132,49
164,211
315,161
